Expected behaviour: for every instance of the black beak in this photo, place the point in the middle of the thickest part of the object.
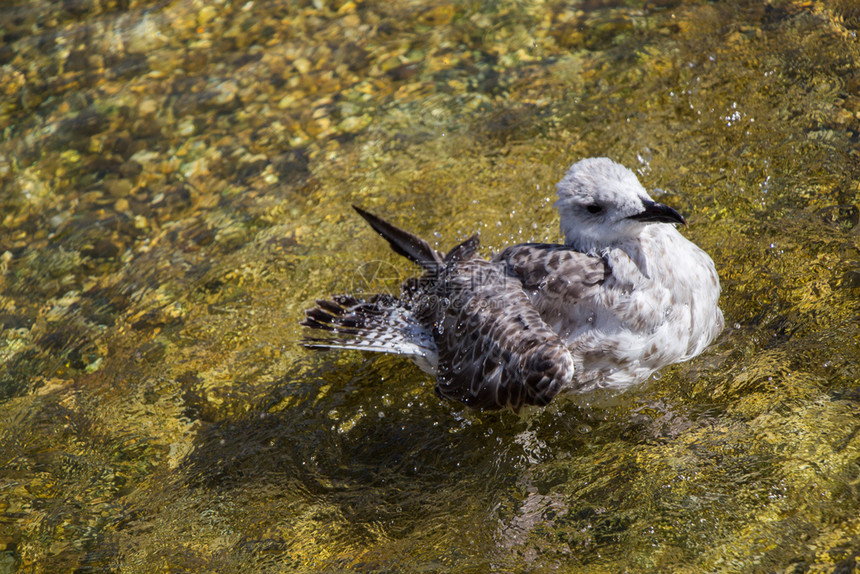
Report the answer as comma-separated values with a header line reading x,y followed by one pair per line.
x,y
658,213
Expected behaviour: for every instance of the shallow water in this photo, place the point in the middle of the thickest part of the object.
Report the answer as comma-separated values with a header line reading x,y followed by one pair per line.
x,y
176,181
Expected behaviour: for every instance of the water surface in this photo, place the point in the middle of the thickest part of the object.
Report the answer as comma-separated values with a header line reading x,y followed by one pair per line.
x,y
175,180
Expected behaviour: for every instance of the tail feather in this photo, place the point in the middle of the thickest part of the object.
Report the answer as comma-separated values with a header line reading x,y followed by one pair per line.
x,y
330,306
404,243
379,324
383,323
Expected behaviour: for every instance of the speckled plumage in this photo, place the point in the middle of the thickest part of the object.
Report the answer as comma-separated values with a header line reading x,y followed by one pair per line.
x,y
625,295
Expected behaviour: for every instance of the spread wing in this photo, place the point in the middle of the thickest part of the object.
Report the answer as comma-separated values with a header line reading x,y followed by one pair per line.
x,y
495,351
555,276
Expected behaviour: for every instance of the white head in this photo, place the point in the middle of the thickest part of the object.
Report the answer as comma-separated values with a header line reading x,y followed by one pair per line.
x,y
602,204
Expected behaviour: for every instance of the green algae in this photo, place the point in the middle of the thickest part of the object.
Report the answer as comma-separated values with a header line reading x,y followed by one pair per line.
x,y
176,181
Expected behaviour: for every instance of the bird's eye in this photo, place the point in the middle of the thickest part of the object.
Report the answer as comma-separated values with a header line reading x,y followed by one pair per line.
x,y
594,208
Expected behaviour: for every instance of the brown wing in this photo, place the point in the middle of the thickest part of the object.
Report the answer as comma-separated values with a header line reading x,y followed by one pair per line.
x,y
495,351
556,276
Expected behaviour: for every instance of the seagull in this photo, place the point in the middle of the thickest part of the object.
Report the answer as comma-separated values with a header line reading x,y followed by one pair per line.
x,y
625,295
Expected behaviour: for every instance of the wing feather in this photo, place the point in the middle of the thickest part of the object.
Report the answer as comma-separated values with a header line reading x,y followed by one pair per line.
x,y
495,351
555,276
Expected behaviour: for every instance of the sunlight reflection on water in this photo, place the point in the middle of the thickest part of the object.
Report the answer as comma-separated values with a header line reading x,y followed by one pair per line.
x,y
176,182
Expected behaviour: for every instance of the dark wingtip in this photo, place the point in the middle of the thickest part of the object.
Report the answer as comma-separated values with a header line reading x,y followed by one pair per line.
x,y
360,211
368,217
465,250
402,242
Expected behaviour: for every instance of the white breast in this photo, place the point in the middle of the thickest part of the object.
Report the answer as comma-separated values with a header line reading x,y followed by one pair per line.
x,y
658,308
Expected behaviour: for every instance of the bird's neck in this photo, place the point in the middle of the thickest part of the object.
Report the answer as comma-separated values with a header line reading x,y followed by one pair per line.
x,y
650,251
